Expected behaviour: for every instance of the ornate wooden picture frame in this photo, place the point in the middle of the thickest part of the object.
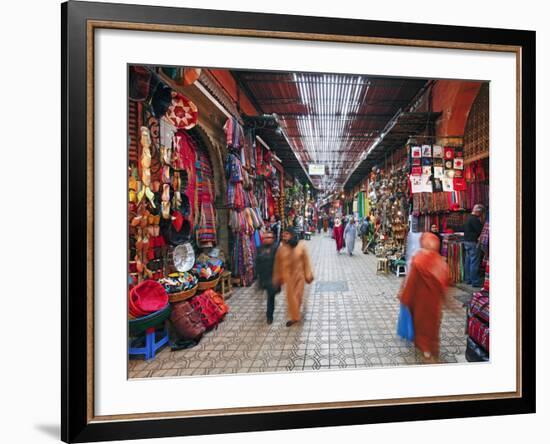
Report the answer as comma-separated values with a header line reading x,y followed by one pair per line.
x,y
80,20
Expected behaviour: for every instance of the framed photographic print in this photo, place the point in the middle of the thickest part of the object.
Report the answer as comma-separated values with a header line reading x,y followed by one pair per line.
x,y
276,221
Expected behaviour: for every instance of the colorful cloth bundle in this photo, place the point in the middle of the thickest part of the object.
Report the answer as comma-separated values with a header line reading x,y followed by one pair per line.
x,y
206,189
484,238
245,221
206,233
234,133
477,192
209,269
243,257
249,150
273,182
425,221
454,221
235,196
475,172
184,158
486,282
454,251
233,169
425,203
270,204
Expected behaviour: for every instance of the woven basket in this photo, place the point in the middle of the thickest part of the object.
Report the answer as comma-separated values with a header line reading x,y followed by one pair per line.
x,y
205,285
183,295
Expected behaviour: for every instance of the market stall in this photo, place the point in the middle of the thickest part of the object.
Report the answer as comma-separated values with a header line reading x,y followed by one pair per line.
x,y
171,213
444,189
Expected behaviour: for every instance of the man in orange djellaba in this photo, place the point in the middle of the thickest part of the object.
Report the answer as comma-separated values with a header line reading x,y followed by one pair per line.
x,y
292,270
424,293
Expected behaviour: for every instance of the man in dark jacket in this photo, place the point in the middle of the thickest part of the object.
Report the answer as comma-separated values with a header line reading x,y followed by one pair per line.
x,y
472,230
365,231
265,260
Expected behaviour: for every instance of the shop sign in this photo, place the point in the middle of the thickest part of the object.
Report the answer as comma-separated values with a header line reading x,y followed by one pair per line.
x,y
316,169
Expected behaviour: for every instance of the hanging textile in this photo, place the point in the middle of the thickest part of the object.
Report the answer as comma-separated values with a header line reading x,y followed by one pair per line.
x,y
184,158
206,230
206,233
361,205
234,133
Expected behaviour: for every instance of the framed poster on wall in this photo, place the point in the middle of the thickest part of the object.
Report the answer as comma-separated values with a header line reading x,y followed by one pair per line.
x,y
176,124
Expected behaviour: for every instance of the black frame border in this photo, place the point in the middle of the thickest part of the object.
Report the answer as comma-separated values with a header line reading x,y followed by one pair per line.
x,y
75,426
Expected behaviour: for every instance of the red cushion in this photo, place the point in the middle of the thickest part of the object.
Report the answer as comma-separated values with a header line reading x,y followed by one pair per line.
x,y
148,296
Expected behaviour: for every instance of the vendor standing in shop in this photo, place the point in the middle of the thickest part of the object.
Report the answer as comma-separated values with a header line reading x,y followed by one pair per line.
x,y
292,270
276,228
365,231
265,261
472,230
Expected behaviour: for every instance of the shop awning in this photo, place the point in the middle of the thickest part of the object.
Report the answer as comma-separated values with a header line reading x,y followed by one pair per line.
x,y
267,128
395,135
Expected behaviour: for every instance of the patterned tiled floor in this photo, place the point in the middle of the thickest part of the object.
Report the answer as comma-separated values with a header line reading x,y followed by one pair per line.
x,y
350,314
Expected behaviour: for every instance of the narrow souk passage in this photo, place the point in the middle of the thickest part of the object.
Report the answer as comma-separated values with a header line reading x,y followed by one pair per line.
x,y
350,316
221,161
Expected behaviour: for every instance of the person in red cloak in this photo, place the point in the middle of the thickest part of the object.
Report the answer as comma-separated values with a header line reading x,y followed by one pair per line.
x,y
338,235
424,293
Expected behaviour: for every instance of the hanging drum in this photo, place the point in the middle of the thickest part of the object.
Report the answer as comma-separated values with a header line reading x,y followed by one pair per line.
x,y
184,257
182,113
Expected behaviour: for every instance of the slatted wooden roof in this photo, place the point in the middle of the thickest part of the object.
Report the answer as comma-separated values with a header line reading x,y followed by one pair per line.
x,y
328,119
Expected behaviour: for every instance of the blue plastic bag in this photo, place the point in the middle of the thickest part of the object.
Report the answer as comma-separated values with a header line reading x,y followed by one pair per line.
x,y
257,239
405,326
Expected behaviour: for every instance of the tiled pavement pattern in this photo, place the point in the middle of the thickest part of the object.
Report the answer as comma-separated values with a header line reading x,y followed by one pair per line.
x,y
350,319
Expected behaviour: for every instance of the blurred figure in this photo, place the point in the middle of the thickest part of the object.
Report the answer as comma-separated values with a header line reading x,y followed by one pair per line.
x,y
338,234
331,226
276,228
350,233
472,230
424,292
325,224
300,227
365,231
293,270
435,230
265,261
319,224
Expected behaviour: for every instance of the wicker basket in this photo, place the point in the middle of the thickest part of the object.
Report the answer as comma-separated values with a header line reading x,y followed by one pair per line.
x,y
205,285
183,295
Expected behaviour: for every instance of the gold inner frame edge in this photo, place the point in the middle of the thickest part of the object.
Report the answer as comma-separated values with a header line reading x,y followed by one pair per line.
x,y
98,24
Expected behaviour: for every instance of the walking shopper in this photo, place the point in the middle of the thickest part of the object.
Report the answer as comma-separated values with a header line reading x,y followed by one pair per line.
x,y
338,234
331,226
292,270
472,230
364,231
319,224
276,228
265,261
424,292
350,233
